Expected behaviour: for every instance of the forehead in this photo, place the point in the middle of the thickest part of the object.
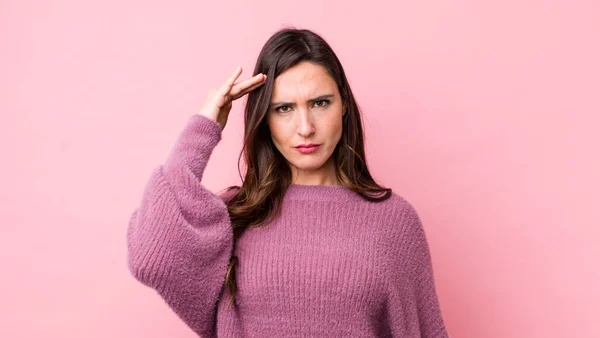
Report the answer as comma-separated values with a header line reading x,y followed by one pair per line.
x,y
304,79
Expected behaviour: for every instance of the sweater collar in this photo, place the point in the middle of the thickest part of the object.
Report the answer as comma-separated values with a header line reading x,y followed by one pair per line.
x,y
319,192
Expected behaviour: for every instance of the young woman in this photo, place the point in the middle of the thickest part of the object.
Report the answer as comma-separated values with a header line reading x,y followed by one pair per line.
x,y
309,244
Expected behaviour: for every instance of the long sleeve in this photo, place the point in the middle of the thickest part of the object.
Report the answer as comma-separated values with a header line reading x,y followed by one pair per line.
x,y
414,309
179,238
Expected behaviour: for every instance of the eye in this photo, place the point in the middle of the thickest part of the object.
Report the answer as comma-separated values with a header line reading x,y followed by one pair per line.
x,y
279,111
325,103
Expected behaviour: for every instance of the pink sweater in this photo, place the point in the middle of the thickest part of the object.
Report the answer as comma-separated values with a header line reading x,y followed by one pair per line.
x,y
332,265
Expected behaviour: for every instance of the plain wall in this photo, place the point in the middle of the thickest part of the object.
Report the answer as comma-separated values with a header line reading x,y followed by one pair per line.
x,y
483,114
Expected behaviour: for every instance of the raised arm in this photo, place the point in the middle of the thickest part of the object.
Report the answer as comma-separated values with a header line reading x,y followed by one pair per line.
x,y
180,238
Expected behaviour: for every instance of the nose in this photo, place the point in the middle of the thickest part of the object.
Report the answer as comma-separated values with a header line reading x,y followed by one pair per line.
x,y
305,126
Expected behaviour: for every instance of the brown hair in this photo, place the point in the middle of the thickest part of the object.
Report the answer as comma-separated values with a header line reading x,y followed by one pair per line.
x,y
268,175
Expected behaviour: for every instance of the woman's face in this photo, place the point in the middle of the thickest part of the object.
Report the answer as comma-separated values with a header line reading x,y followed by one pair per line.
x,y
306,108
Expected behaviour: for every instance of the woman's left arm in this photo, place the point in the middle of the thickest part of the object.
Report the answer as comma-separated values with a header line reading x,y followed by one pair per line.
x,y
413,308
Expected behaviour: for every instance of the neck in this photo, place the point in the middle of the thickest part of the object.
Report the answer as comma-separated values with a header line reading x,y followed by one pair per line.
x,y
325,175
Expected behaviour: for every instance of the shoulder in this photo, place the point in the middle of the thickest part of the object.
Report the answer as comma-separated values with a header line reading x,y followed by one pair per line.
x,y
406,238
402,222
407,211
399,208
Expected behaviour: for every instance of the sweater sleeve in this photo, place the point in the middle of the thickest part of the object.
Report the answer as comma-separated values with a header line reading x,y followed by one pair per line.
x,y
179,238
414,309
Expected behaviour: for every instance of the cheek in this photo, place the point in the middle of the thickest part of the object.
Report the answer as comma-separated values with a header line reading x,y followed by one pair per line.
x,y
334,129
278,132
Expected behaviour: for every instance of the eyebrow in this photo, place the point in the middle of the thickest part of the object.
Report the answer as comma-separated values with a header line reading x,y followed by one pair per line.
x,y
318,98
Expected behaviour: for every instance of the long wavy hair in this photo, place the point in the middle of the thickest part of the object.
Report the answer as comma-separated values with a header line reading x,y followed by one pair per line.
x,y
268,174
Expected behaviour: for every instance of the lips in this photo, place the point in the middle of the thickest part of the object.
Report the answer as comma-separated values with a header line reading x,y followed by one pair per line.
x,y
307,145
307,148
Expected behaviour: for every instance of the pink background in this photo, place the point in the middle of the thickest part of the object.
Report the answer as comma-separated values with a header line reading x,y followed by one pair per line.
x,y
483,114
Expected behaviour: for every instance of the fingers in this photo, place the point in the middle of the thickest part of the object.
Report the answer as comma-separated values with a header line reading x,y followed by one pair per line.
x,y
240,89
226,87
230,90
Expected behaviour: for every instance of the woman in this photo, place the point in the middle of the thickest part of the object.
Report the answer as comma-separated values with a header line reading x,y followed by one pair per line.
x,y
310,244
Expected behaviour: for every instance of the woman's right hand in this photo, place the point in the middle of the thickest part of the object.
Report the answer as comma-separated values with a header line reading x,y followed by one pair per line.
x,y
217,104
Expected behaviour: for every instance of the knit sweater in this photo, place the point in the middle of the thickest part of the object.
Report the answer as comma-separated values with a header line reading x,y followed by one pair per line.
x,y
331,265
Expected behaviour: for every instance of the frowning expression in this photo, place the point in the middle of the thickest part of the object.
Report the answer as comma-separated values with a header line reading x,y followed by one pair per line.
x,y
306,109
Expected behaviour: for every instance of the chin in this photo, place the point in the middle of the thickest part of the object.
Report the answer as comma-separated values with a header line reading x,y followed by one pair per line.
x,y
308,164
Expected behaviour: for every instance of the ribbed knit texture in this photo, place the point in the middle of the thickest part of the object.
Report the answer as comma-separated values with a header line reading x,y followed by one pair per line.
x,y
332,264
